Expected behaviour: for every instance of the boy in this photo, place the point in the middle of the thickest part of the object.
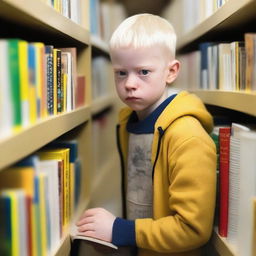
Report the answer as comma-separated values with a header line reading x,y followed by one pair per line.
x,y
167,156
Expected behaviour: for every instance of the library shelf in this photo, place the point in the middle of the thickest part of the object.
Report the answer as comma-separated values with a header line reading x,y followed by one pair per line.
x,y
231,14
38,15
102,103
221,245
99,45
235,100
32,138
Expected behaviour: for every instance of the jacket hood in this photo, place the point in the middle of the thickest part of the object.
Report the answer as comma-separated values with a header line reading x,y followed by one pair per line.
x,y
184,104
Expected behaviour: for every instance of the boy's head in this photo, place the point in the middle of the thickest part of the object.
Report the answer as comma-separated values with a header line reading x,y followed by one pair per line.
x,y
144,30
142,51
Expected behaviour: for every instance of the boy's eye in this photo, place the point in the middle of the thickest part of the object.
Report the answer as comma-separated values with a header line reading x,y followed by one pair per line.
x,y
144,72
121,73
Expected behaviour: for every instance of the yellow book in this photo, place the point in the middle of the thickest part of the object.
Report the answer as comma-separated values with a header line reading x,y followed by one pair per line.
x,y
24,81
64,77
23,178
62,155
72,189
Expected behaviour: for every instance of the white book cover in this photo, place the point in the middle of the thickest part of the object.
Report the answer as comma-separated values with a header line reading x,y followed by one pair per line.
x,y
6,112
50,168
234,181
74,233
247,192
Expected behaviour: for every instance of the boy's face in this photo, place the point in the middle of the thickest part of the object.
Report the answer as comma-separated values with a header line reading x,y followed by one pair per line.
x,y
141,76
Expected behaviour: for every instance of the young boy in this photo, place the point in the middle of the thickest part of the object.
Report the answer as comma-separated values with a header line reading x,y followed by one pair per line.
x,y
168,159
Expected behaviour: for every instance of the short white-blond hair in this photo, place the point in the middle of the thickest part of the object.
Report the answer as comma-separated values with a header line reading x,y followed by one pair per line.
x,y
144,30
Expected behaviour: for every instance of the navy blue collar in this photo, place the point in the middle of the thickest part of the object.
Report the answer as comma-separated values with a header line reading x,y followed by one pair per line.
x,y
145,126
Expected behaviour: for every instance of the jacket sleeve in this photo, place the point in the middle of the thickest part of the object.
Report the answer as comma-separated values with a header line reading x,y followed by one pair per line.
x,y
191,201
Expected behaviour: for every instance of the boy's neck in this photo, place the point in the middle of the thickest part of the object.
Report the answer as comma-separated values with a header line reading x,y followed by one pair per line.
x,y
145,112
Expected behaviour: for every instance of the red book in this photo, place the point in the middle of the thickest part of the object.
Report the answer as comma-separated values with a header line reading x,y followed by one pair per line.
x,y
224,142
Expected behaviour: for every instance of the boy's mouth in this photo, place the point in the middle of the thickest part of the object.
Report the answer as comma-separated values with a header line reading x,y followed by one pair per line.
x,y
131,98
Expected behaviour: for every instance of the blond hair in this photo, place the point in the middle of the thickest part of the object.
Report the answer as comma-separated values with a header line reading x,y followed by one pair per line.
x,y
144,30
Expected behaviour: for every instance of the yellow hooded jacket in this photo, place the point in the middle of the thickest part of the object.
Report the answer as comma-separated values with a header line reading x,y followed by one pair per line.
x,y
184,179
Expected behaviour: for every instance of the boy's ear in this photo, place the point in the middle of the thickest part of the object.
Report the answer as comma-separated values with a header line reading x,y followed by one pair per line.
x,y
173,71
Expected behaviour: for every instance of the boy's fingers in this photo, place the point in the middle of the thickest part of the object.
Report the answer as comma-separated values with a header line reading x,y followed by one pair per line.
x,y
86,227
85,221
89,212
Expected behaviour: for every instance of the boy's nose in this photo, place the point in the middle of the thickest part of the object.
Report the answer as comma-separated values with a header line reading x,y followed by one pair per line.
x,y
131,82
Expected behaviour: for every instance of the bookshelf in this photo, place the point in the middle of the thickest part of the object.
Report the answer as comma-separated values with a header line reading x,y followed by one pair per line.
x,y
232,14
36,21
228,23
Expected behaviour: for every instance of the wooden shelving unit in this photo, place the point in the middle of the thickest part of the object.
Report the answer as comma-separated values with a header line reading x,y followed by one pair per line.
x,y
231,15
239,101
34,137
35,20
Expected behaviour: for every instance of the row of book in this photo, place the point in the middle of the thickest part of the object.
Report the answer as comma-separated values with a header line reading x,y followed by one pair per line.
x,y
37,199
105,16
236,204
102,77
68,8
227,66
190,13
36,81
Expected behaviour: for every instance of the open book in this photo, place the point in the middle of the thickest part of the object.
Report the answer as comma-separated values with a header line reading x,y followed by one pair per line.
x,y
76,235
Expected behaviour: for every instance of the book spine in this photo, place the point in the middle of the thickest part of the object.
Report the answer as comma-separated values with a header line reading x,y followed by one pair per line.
x,y
49,78
59,83
224,142
14,81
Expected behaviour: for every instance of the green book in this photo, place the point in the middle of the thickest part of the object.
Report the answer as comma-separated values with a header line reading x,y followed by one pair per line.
x,y
13,50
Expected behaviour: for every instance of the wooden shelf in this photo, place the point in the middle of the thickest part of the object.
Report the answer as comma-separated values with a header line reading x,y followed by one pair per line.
x,y
99,45
103,102
232,14
27,141
39,15
239,101
221,245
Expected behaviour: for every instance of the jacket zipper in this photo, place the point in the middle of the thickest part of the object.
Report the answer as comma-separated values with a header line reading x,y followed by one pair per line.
x,y
122,171
161,133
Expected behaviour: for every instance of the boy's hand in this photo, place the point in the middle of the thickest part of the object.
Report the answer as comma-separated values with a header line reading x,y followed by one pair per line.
x,y
97,223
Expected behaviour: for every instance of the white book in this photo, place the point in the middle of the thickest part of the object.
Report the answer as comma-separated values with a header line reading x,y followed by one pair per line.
x,y
50,168
234,181
247,192
6,112
75,234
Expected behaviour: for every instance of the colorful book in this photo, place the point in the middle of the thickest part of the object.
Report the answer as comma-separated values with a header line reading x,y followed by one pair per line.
x,y
224,143
49,78
24,82
14,78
